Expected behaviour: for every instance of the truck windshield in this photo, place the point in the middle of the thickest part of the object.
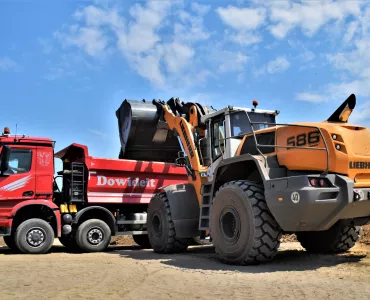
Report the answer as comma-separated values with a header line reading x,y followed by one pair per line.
x,y
240,124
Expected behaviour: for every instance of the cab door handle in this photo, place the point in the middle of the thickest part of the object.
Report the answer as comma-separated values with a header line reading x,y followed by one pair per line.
x,y
27,193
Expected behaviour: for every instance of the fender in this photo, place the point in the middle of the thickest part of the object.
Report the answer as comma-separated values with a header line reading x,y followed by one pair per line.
x,y
47,203
111,218
252,169
184,208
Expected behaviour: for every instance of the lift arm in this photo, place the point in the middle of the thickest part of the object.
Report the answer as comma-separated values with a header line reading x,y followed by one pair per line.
x,y
185,121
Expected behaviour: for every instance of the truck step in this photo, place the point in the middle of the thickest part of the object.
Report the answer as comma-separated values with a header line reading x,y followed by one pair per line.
x,y
131,232
131,222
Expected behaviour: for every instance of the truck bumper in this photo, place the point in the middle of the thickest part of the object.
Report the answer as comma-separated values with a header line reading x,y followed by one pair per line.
x,y
297,206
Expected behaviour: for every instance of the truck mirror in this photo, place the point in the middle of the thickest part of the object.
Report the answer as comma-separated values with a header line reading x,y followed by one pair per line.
x,y
5,154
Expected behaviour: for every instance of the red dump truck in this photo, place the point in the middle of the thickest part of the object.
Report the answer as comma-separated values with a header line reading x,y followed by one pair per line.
x,y
99,197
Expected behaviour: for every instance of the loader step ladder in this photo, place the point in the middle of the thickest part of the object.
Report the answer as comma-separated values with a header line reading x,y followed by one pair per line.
x,y
77,182
205,207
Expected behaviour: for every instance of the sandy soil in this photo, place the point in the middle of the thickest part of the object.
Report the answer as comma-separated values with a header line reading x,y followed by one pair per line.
x,y
127,272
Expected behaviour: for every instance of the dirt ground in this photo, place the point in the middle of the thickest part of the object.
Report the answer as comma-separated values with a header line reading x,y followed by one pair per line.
x,y
128,272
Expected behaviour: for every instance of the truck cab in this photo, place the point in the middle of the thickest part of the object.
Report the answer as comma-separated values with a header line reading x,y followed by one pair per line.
x,y
26,191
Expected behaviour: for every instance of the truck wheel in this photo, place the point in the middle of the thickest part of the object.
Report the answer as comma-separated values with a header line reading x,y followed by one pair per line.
x,y
9,242
69,242
339,238
93,236
161,229
242,228
142,240
34,236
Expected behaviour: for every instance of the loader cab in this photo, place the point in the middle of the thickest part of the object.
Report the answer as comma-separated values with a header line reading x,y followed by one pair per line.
x,y
226,128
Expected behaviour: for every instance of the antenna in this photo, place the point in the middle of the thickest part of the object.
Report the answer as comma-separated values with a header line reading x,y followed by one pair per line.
x,y
16,128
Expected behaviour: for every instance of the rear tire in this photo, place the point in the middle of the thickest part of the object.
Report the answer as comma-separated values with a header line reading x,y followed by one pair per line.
x,y
34,236
243,230
142,240
339,238
9,242
93,236
161,229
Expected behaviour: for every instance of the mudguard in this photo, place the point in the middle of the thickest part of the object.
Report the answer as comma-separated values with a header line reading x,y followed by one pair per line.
x,y
184,208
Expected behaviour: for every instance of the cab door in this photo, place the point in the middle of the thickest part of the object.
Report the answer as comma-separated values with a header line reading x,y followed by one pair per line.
x,y
44,172
18,181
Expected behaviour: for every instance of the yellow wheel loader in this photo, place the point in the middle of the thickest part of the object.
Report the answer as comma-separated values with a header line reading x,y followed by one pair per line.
x,y
251,179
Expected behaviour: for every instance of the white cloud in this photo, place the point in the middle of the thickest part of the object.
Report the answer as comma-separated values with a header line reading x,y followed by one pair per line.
x,y
245,22
310,16
361,114
352,66
92,40
350,32
7,64
245,38
177,56
277,65
242,18
191,29
231,61
309,97
200,9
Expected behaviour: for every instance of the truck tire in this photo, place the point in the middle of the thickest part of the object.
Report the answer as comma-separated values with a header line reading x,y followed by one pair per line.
x,y
34,236
93,236
161,229
243,230
142,240
70,243
9,242
339,238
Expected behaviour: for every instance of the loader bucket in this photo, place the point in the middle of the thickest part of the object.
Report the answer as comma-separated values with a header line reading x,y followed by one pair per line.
x,y
143,136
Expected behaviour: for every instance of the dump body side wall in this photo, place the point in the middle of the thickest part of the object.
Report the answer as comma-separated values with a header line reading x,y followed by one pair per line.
x,y
129,181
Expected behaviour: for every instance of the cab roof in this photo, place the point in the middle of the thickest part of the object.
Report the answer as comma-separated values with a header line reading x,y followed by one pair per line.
x,y
25,140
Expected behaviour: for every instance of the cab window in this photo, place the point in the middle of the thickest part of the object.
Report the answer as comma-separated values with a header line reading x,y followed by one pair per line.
x,y
218,138
19,161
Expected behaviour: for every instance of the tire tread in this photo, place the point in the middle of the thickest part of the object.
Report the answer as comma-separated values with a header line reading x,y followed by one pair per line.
x,y
267,231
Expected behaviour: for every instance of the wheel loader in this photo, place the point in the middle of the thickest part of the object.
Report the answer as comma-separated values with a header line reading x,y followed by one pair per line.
x,y
251,179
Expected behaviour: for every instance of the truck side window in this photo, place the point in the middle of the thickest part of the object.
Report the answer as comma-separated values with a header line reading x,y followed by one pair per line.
x,y
218,136
19,161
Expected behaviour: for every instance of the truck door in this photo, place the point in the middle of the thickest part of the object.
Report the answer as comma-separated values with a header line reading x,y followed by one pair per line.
x,y
18,182
44,172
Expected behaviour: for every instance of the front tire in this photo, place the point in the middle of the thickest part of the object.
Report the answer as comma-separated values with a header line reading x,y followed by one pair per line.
x,y
338,239
93,236
161,229
34,236
242,228
142,240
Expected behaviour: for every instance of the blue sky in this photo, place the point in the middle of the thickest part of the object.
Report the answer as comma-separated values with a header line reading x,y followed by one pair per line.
x,y
66,66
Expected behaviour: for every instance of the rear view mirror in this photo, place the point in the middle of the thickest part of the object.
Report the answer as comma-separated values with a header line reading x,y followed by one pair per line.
x,y
5,154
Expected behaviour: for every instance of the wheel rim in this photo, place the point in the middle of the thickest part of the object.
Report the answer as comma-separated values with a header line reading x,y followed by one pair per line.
x,y
230,225
157,226
35,237
95,236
